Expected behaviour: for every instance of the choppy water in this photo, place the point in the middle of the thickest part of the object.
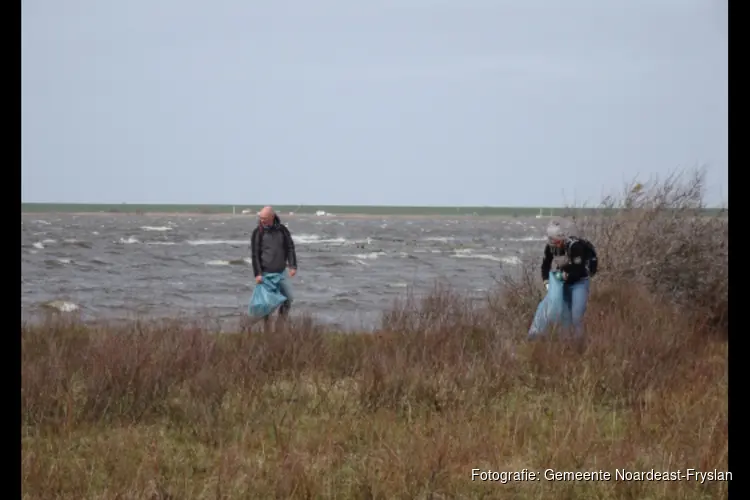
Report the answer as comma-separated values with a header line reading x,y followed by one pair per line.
x,y
350,269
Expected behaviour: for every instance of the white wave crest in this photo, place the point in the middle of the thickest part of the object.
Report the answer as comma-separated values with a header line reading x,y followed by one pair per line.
x,y
246,261
310,239
526,238
61,305
358,263
218,242
217,263
468,253
367,256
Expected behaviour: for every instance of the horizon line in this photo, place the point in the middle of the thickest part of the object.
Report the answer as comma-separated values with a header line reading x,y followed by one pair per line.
x,y
280,204
299,205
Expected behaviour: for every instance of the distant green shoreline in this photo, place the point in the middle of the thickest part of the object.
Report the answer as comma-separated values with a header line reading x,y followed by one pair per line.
x,y
127,208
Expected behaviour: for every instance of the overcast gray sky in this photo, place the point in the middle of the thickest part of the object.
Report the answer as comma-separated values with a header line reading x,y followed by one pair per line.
x,y
410,102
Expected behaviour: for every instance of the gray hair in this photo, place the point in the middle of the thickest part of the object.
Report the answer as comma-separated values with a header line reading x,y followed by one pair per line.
x,y
561,229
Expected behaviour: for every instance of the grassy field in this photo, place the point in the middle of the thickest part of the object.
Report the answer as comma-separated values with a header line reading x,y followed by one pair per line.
x,y
311,209
447,386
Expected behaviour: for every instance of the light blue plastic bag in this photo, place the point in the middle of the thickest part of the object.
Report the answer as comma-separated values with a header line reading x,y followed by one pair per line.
x,y
266,297
552,309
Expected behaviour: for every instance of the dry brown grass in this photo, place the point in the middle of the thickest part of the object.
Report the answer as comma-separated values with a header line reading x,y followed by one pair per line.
x,y
168,410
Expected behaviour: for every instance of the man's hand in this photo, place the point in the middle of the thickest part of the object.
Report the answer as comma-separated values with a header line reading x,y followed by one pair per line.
x,y
565,276
258,279
546,285
292,272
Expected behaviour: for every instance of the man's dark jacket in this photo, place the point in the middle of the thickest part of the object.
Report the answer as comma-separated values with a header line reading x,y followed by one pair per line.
x,y
272,248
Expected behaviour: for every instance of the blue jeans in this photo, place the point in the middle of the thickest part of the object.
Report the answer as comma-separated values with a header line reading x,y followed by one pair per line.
x,y
285,287
575,298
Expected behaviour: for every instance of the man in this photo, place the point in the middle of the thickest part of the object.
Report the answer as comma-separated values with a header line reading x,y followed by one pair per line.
x,y
272,250
575,258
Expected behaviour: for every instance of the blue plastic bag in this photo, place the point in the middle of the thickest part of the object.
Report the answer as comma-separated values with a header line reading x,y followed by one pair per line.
x,y
552,309
266,297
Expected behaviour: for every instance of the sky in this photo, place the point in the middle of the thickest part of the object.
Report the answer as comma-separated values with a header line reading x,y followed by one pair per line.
x,y
390,102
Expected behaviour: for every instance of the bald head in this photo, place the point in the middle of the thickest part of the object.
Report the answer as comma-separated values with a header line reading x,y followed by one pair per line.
x,y
266,216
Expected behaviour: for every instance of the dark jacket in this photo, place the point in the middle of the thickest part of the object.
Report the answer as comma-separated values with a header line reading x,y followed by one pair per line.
x,y
580,256
272,248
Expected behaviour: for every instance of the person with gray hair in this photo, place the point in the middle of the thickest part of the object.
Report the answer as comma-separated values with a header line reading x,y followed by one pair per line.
x,y
575,262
